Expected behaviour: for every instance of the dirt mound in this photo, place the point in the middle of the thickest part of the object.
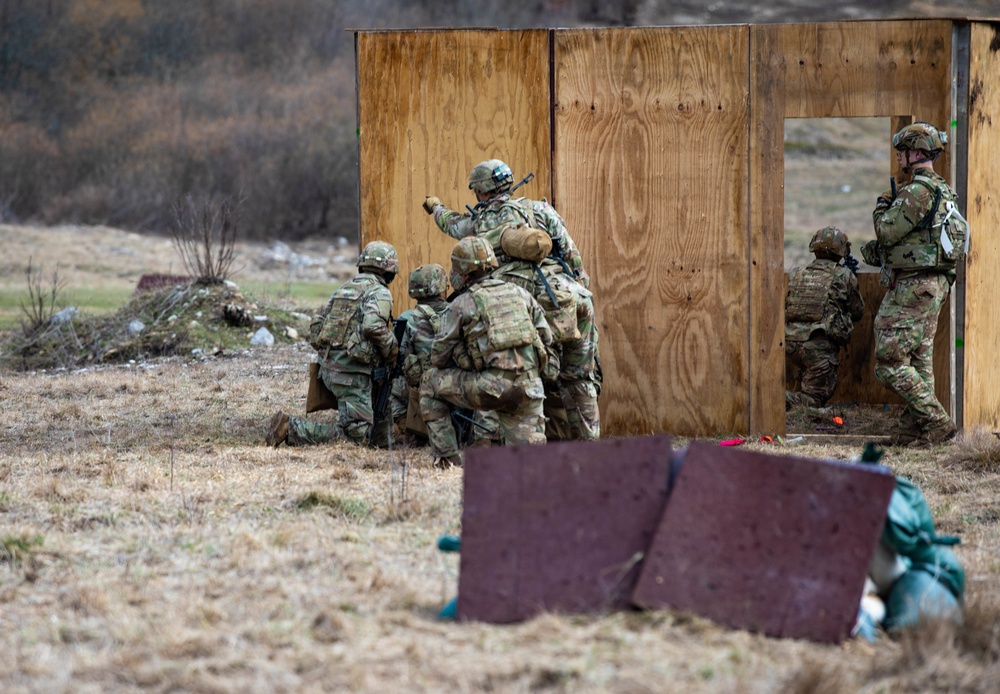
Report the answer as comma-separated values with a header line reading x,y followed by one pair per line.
x,y
189,318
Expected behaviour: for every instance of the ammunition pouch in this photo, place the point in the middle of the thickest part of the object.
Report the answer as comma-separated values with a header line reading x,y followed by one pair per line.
x,y
913,256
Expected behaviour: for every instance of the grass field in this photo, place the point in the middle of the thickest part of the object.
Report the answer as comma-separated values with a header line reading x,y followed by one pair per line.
x,y
151,541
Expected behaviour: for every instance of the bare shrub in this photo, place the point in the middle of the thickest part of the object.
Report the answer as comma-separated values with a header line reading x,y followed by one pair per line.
x,y
977,449
42,298
205,236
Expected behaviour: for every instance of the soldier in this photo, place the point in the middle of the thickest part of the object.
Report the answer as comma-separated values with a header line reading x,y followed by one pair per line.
x,y
429,286
821,306
488,354
558,282
353,337
918,259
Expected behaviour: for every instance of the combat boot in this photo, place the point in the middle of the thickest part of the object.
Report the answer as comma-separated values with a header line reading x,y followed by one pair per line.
x,y
935,436
277,430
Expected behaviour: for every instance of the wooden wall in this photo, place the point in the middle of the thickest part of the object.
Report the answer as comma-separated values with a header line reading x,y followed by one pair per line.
x,y
433,104
665,147
650,175
851,69
982,314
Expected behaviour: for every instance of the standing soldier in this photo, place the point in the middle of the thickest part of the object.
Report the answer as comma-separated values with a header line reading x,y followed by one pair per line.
x,y
488,354
918,243
821,306
353,337
557,280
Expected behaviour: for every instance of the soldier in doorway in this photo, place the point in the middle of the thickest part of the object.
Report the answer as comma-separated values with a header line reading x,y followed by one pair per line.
x,y
821,306
919,240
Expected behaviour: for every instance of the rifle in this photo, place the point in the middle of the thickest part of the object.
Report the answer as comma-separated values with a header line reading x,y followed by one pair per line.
x,y
481,205
463,420
383,376
851,263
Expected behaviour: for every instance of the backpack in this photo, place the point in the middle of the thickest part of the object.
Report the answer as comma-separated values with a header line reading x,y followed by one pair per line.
x,y
947,228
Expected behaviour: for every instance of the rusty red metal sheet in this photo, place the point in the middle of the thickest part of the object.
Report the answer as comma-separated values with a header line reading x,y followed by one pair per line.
x,y
560,527
772,544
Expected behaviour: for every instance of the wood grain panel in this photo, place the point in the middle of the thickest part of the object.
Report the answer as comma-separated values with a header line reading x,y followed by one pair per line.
x,y
853,69
856,382
431,105
650,174
767,283
982,317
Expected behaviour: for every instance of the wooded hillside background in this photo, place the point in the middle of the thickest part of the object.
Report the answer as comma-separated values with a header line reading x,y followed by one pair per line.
x,y
110,110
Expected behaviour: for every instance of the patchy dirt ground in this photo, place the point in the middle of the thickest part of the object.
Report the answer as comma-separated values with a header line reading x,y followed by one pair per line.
x,y
152,542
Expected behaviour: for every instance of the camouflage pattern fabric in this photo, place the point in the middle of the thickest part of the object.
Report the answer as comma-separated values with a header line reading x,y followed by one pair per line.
x,y
481,360
502,212
357,333
823,296
515,397
366,341
817,359
909,250
571,403
354,416
904,346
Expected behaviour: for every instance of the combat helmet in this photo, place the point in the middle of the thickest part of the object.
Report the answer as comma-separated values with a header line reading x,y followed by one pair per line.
x,y
427,281
491,176
920,136
832,241
379,255
473,255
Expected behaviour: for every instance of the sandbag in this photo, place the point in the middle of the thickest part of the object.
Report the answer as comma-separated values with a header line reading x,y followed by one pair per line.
x,y
526,243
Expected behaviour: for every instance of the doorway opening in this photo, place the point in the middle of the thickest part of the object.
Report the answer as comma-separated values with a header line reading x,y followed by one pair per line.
x,y
834,170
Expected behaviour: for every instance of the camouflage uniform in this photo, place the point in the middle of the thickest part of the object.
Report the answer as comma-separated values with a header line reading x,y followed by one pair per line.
x,y
571,398
821,306
487,355
353,337
907,319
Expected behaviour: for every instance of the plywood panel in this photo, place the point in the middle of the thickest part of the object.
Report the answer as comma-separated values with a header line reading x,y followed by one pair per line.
x,y
431,105
650,174
856,382
767,282
982,317
854,69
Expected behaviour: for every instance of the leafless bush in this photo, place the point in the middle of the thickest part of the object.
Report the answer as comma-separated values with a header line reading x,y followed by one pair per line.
x,y
205,236
42,298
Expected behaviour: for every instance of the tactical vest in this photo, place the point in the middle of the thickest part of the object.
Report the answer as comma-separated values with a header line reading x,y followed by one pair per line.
x,y
813,305
342,325
560,313
503,320
939,241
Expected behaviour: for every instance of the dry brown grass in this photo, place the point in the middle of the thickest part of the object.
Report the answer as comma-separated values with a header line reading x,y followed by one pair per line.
x,y
162,546
977,449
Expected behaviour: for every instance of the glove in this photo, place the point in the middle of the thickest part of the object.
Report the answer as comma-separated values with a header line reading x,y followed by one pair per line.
x,y
869,252
430,202
885,199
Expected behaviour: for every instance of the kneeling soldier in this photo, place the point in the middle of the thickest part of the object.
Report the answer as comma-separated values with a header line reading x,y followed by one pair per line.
x,y
488,354
821,306
353,336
